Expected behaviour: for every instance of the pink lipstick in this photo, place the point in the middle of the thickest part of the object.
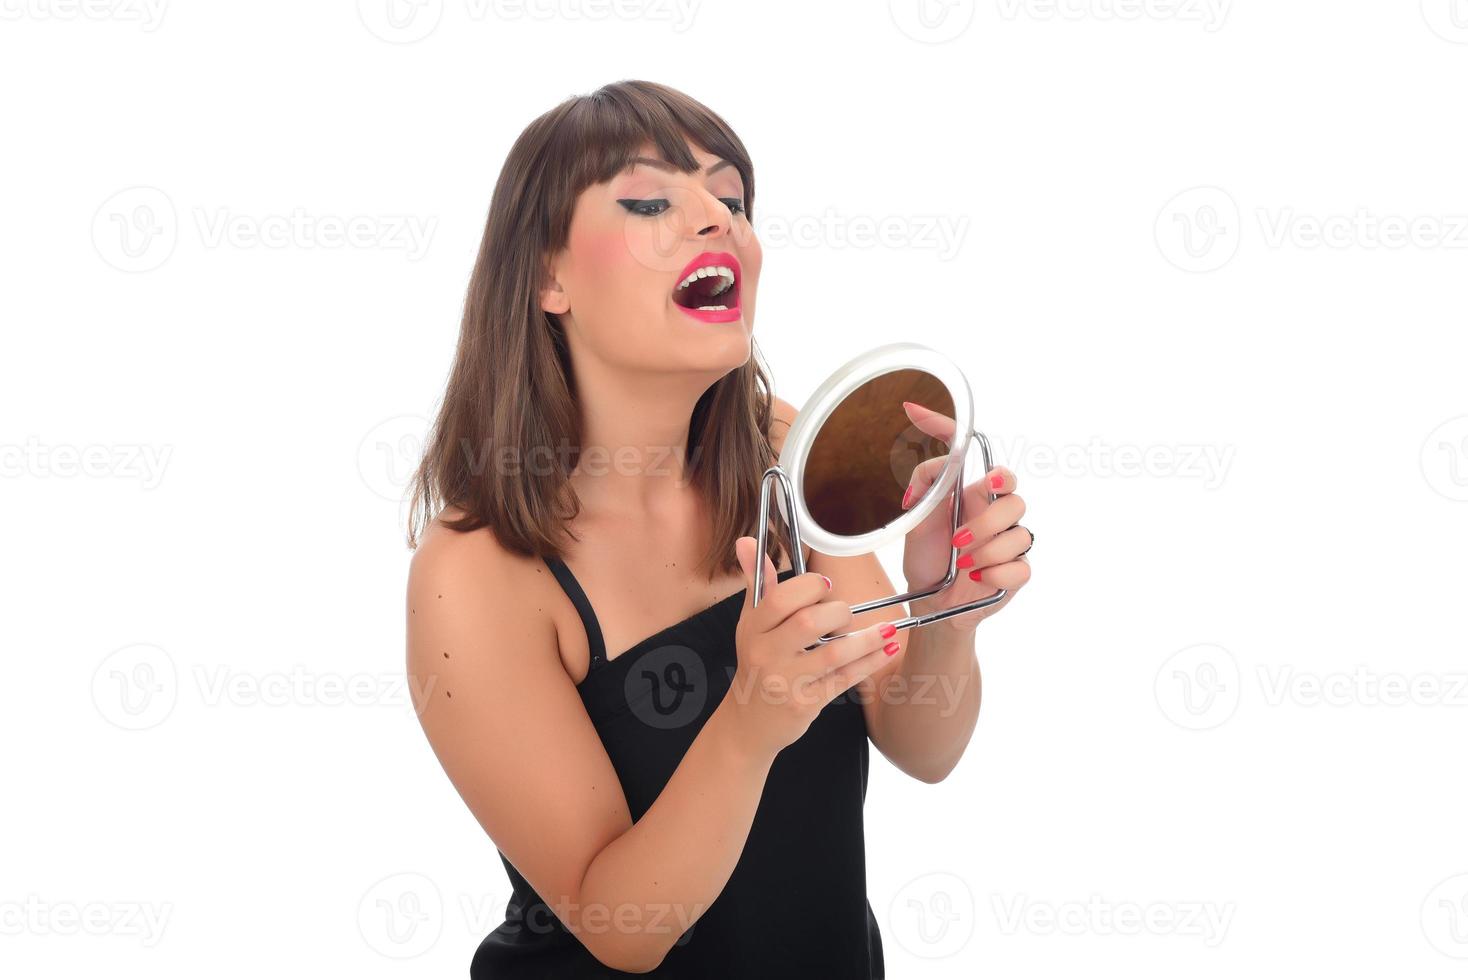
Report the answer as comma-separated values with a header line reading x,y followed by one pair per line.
x,y
708,288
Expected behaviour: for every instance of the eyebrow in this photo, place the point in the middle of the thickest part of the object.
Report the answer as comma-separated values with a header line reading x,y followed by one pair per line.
x,y
669,168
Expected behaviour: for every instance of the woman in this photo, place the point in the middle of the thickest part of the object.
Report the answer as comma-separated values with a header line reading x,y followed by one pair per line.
x,y
674,787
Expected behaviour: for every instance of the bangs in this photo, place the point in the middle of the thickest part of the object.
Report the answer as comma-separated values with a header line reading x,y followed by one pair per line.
x,y
602,133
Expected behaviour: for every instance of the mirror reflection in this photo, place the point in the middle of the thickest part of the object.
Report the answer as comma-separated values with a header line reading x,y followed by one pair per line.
x,y
862,458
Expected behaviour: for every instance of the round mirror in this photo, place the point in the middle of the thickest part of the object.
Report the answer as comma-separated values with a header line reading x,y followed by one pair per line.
x,y
851,450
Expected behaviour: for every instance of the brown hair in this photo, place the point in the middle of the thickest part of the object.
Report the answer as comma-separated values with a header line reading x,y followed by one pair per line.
x,y
510,392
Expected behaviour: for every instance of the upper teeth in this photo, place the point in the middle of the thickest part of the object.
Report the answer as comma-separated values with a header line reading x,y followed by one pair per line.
x,y
710,270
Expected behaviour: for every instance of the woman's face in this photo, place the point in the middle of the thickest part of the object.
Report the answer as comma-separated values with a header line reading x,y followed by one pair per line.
x,y
627,285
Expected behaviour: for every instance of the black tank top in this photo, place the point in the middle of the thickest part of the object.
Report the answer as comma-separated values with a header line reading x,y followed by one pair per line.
x,y
796,904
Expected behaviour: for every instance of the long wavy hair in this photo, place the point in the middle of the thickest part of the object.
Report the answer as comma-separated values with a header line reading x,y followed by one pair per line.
x,y
511,391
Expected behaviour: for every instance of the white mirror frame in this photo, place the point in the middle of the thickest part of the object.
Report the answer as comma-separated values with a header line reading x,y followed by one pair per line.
x,y
789,474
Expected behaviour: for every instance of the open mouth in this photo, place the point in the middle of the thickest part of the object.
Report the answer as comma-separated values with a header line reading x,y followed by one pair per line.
x,y
709,284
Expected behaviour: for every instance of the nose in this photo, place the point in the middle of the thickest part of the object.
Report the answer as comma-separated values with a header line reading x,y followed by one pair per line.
x,y
709,215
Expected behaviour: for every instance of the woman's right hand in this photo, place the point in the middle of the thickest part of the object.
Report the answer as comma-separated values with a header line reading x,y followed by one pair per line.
x,y
779,688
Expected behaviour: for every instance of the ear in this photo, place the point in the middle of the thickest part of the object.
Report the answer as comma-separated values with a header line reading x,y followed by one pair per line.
x,y
553,298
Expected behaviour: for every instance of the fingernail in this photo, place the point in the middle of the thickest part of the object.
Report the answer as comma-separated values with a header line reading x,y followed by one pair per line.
x,y
887,630
962,538
977,574
892,648
996,481
912,405
828,581
906,498
964,561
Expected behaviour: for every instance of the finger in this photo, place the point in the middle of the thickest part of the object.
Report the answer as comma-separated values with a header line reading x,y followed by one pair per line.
x,y
935,424
1001,514
854,645
843,678
1001,480
806,625
924,475
780,599
1009,575
1005,546
746,550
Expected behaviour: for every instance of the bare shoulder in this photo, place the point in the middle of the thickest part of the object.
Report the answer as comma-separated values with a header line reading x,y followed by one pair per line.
x,y
460,582
782,417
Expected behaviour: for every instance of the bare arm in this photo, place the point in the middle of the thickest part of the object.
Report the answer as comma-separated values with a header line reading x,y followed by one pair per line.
x,y
922,709
511,732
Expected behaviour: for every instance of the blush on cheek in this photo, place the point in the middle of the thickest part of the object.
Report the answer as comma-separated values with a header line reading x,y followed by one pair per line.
x,y
603,248
608,259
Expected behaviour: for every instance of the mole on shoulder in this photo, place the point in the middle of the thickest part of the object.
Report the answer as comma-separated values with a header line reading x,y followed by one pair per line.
x,y
446,655
449,693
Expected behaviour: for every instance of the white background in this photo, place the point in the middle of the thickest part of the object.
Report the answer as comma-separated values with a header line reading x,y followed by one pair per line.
x,y
1203,262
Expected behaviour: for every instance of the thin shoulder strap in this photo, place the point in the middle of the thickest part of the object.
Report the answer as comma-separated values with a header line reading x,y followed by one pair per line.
x,y
577,596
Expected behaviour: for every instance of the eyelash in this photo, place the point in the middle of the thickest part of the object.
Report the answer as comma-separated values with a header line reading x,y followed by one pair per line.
x,y
635,206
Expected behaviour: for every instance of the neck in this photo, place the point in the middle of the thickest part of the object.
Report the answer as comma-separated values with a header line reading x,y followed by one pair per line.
x,y
635,437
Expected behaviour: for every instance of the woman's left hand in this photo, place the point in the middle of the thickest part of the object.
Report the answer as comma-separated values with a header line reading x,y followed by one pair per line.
x,y
990,541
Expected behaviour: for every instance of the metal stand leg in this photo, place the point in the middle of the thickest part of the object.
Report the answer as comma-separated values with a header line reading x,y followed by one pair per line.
x,y
776,474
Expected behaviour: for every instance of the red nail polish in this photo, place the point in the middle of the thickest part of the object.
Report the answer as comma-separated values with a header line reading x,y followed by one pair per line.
x,y
887,630
996,481
828,581
907,498
977,574
891,648
965,561
962,538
